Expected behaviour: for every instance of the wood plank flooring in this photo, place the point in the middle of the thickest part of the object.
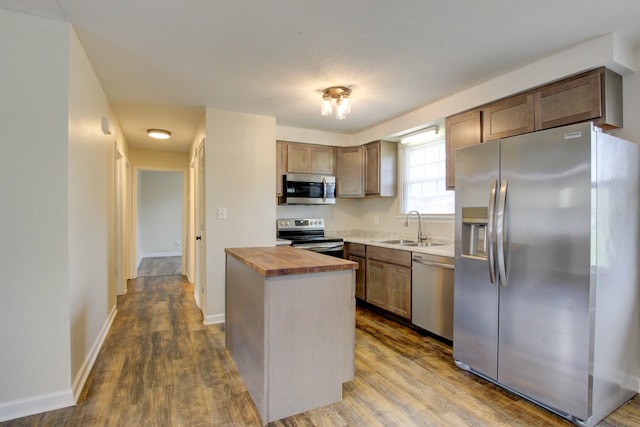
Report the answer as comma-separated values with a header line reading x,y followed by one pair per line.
x,y
160,366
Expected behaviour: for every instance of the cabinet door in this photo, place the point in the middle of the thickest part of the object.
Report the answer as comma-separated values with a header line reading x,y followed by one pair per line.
x,y
298,158
376,285
350,172
360,276
372,168
570,101
398,281
281,164
322,160
512,116
462,130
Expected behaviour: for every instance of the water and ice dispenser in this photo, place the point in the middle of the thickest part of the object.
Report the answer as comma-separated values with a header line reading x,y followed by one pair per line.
x,y
474,232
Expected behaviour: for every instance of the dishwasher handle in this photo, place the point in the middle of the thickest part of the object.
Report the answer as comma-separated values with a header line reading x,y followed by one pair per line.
x,y
434,264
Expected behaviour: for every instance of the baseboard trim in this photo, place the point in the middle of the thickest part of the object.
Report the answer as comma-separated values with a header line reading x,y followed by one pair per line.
x,y
161,254
83,374
35,405
214,319
196,297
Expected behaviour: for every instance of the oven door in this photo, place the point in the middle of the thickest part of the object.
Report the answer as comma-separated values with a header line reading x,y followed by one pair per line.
x,y
309,189
326,248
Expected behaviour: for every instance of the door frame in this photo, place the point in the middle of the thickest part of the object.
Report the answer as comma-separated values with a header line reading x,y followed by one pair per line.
x,y
133,256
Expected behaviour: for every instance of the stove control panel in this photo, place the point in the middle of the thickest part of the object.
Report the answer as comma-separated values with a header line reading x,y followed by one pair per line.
x,y
298,224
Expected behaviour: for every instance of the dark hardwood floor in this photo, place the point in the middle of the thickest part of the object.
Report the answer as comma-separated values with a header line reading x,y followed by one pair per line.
x,y
160,366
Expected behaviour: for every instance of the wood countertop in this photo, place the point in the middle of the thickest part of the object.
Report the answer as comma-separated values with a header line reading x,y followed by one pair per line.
x,y
284,260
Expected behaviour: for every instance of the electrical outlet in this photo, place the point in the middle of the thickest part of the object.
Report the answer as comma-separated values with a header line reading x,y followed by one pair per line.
x,y
222,213
376,219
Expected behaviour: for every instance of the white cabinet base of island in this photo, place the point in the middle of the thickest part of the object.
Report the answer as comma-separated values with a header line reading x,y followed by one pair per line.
x,y
291,336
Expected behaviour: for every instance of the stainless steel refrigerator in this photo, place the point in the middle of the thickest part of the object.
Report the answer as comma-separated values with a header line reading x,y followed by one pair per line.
x,y
547,285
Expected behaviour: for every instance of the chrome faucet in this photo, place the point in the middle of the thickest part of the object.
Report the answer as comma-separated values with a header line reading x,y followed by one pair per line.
x,y
421,238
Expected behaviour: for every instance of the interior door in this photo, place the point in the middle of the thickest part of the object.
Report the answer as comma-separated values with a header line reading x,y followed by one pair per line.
x,y
200,265
544,304
475,334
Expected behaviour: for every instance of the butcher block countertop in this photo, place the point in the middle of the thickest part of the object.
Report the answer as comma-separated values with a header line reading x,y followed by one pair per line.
x,y
285,260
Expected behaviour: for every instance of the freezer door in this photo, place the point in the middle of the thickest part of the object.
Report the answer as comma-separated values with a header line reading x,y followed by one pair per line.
x,y
475,330
545,327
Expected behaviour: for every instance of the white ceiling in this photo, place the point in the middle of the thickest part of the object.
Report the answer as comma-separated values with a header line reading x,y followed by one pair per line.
x,y
162,61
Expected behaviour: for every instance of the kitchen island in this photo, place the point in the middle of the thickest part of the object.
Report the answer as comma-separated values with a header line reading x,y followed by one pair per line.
x,y
290,326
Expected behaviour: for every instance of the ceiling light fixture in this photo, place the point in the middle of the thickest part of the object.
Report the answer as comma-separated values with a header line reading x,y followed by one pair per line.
x,y
159,133
422,135
339,94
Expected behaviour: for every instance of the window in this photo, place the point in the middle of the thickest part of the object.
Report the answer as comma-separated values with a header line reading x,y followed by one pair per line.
x,y
424,184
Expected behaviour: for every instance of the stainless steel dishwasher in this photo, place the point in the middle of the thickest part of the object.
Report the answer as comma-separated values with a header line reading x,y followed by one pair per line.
x,y
432,293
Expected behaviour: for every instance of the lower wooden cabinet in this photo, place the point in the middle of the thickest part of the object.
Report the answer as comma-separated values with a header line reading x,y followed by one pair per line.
x,y
360,276
389,280
356,252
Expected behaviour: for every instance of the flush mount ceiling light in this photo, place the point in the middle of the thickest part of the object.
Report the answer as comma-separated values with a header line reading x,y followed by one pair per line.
x,y
159,133
422,135
338,95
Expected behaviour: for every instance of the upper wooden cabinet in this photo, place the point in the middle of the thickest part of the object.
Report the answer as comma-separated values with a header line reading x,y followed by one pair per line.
x,y
593,96
350,172
462,130
368,170
512,116
307,158
293,157
381,169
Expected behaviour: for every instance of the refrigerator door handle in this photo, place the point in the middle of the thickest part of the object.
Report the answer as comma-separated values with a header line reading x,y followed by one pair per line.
x,y
491,223
501,220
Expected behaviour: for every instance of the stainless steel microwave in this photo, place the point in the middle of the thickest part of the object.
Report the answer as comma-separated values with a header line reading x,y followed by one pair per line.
x,y
308,189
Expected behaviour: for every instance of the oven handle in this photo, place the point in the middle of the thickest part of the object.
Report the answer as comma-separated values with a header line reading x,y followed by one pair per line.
x,y
320,248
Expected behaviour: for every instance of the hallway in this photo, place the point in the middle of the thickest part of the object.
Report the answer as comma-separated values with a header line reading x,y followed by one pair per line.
x,y
160,366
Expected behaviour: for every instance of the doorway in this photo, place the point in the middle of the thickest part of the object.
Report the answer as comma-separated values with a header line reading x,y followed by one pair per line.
x,y
159,222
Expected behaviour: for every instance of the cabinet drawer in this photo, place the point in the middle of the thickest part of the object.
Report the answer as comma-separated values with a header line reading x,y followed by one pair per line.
x,y
357,249
393,256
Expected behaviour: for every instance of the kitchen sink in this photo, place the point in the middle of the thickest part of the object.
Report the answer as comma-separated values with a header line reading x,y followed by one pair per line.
x,y
421,245
397,242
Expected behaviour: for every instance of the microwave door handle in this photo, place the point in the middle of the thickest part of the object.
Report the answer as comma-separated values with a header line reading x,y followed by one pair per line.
x,y
324,189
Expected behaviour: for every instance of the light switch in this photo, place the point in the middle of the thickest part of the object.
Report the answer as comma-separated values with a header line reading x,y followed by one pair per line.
x,y
222,213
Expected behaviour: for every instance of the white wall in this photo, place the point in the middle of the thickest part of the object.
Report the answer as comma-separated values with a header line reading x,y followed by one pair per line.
x,y
91,217
631,104
57,250
34,296
160,208
240,177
